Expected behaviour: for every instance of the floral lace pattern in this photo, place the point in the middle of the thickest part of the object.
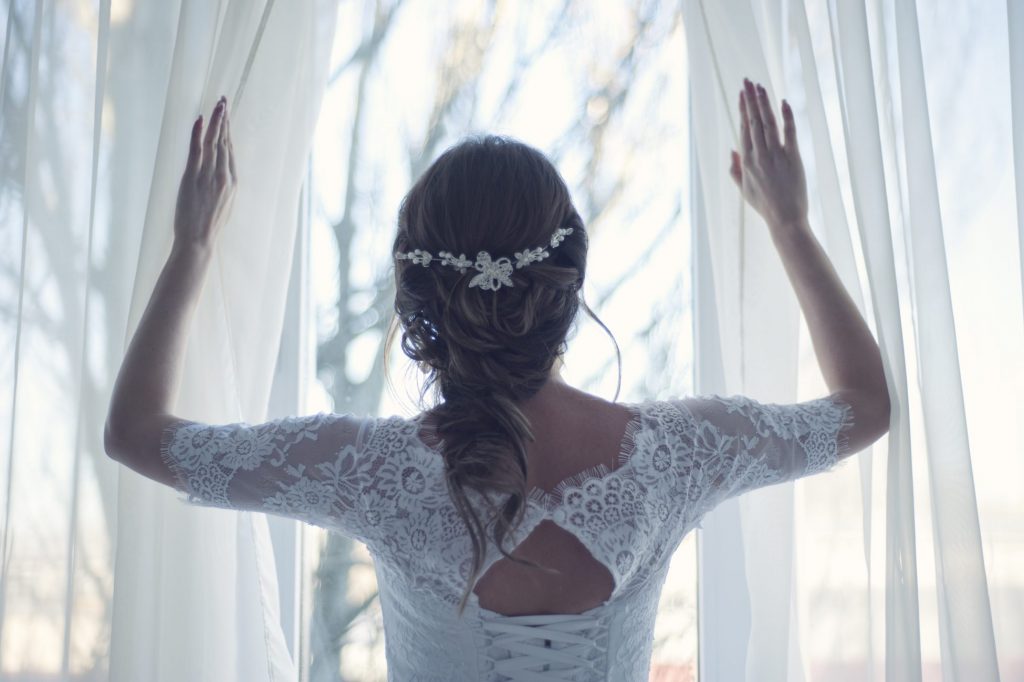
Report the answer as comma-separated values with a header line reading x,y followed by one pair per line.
x,y
375,479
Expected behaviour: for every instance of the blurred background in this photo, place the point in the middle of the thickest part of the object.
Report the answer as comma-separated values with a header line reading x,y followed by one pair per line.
x,y
599,87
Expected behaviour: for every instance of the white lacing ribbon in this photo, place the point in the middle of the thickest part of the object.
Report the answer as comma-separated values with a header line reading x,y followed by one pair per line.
x,y
532,662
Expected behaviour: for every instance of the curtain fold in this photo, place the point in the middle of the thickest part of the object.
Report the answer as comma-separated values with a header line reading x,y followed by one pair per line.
x,y
965,616
102,51
747,543
147,588
871,206
218,591
861,70
1015,29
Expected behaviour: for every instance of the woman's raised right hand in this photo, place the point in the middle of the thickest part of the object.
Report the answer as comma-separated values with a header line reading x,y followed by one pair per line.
x,y
769,171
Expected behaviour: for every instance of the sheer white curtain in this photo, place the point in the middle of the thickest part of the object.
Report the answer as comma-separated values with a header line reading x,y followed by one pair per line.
x,y
876,571
102,567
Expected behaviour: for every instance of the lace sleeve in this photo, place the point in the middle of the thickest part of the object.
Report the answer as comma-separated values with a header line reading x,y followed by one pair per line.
x,y
313,468
735,444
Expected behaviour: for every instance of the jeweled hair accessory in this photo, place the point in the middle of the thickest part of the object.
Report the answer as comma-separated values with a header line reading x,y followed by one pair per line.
x,y
493,272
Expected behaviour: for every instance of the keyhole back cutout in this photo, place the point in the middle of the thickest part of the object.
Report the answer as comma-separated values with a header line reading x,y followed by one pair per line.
x,y
512,589
571,436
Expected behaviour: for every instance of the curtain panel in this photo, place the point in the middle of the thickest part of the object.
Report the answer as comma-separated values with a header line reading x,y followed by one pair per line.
x,y
820,579
105,571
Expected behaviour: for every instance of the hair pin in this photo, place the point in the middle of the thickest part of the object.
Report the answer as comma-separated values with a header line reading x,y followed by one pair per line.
x,y
493,273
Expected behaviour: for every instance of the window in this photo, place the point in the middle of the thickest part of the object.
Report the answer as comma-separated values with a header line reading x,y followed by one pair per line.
x,y
602,91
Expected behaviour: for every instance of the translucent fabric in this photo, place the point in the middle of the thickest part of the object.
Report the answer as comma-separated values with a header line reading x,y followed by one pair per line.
x,y
854,74
99,99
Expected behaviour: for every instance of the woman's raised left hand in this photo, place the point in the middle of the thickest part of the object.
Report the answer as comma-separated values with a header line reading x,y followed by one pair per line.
x,y
207,188
769,170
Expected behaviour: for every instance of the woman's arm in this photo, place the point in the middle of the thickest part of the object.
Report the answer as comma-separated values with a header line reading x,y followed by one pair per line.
x,y
147,384
771,176
148,381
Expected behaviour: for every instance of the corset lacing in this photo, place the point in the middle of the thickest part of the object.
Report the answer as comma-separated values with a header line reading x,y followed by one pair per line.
x,y
544,648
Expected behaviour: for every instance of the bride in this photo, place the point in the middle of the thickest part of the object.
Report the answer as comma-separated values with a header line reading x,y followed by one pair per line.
x,y
521,529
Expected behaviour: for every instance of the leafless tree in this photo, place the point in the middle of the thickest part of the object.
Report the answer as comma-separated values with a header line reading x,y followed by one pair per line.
x,y
460,67
58,264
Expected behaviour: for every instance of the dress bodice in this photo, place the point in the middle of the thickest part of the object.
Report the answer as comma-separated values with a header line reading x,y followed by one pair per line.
x,y
376,480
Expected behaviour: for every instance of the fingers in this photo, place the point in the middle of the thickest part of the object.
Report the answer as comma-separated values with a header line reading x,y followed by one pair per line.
x,y
747,140
231,154
222,148
771,129
212,133
754,114
789,128
212,156
195,147
735,170
760,128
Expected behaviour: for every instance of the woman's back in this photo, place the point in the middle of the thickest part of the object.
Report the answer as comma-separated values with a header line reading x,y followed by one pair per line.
x,y
640,476
575,434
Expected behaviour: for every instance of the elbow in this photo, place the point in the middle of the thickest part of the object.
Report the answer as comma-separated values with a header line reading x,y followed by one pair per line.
x,y
880,427
872,414
879,413
883,403
111,442
874,403
129,441
876,406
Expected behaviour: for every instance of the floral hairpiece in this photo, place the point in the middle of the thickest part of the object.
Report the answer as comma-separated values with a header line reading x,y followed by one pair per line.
x,y
493,273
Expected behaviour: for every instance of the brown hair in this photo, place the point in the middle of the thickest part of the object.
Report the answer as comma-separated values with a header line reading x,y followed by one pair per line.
x,y
484,351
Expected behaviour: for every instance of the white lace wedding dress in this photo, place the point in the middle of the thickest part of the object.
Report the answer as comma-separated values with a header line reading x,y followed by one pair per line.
x,y
374,479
